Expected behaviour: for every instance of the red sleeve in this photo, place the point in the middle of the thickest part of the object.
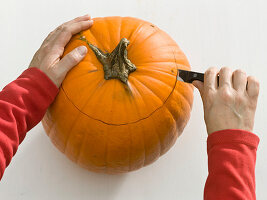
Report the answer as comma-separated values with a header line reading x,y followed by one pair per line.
x,y
231,164
23,104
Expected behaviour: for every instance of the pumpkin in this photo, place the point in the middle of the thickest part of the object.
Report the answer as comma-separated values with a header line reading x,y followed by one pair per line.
x,y
121,107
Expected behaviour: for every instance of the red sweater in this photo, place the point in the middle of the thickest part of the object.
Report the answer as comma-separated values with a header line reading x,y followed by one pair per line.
x,y
231,153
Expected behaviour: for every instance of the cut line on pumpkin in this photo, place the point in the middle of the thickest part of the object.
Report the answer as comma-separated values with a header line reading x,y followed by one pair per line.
x,y
136,121
133,122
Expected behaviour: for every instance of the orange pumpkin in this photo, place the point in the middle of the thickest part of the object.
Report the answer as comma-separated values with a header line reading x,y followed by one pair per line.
x,y
122,106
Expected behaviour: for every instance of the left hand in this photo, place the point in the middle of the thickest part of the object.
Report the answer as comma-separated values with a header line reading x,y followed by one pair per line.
x,y
47,58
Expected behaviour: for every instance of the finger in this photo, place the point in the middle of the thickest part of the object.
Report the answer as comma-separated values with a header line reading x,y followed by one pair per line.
x,y
52,35
48,38
68,31
71,59
225,77
199,85
210,78
77,19
253,87
239,80
81,18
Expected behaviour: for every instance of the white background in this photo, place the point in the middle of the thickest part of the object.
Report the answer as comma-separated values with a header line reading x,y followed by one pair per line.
x,y
211,33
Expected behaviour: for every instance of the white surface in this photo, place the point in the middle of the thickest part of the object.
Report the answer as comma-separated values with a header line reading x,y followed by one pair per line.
x,y
211,33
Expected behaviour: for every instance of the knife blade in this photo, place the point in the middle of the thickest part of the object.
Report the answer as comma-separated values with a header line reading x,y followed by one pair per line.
x,y
190,76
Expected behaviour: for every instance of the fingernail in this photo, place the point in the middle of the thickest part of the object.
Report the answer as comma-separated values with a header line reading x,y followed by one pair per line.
x,y
82,50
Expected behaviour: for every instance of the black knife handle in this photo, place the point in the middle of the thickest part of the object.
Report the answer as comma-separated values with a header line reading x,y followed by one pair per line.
x,y
190,76
195,76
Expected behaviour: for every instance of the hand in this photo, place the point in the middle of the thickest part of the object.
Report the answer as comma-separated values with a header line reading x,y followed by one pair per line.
x,y
47,58
232,104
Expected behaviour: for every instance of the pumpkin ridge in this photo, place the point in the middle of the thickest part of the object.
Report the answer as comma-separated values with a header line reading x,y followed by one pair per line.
x,y
141,42
130,148
150,77
134,102
70,132
184,96
160,143
182,111
172,117
122,124
135,33
99,84
93,38
144,141
80,148
106,154
93,35
144,86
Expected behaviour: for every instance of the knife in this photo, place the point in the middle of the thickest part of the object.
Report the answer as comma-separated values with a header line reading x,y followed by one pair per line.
x,y
190,76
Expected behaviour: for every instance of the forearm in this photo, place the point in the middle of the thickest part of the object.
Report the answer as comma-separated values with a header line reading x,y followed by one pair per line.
x,y
23,103
231,163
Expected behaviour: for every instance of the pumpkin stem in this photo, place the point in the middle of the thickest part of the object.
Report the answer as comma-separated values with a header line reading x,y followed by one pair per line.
x,y
115,64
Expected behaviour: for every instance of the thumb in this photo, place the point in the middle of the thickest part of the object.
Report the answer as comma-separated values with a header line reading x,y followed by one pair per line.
x,y
71,59
199,85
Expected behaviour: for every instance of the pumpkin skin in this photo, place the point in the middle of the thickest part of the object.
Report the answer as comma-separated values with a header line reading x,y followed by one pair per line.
x,y
107,126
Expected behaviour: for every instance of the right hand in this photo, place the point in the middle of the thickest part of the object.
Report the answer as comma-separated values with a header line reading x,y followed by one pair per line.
x,y
232,104
47,58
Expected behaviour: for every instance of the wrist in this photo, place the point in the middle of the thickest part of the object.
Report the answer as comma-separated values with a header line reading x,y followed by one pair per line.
x,y
48,77
232,136
229,130
237,126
